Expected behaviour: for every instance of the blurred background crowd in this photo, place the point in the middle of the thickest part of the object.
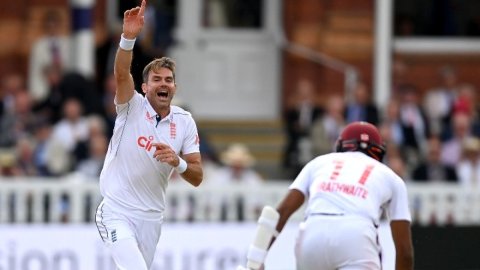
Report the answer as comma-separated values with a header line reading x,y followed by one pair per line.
x,y
55,121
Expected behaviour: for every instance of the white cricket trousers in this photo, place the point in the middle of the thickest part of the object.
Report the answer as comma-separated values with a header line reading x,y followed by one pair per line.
x,y
337,243
131,242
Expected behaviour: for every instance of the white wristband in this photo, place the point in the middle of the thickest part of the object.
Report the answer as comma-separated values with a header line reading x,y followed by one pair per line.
x,y
127,44
182,165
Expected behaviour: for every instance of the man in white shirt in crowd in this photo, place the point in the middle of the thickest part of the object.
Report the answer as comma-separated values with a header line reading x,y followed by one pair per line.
x,y
151,139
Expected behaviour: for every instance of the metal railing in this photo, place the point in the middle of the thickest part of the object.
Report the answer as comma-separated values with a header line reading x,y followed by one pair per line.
x,y
350,72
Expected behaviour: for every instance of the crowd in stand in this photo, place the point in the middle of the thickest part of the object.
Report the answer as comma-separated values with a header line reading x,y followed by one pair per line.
x,y
55,121
431,135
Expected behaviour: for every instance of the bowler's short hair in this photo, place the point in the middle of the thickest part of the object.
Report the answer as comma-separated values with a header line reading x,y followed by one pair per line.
x,y
156,64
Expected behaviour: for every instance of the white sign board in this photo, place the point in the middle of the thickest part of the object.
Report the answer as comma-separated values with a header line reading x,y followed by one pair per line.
x,y
183,246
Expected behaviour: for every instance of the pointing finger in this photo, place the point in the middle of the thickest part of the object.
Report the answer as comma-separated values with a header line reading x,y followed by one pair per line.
x,y
142,7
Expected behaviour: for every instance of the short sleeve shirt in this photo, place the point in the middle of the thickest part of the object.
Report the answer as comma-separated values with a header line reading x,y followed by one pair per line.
x,y
132,180
352,183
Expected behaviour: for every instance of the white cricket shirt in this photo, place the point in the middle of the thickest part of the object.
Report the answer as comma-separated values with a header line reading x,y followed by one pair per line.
x,y
132,181
352,183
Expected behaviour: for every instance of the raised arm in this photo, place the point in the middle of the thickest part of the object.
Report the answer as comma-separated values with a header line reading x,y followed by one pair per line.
x,y
133,21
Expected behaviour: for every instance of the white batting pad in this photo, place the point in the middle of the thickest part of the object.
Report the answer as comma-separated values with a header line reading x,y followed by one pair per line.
x,y
266,229
255,254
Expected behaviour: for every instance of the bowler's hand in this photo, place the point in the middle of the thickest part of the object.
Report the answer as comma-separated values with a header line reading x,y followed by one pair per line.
x,y
165,153
133,20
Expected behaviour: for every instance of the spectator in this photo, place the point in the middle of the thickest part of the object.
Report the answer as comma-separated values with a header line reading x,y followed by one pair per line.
x,y
469,166
12,84
299,116
51,107
395,161
109,110
52,50
41,156
415,128
326,129
391,127
399,77
96,126
452,148
361,107
398,166
59,161
71,133
94,148
8,165
63,86
438,102
92,166
18,123
432,169
25,159
466,102
238,170
76,86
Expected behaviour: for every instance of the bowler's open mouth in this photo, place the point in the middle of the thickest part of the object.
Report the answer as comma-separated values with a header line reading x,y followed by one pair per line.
x,y
162,94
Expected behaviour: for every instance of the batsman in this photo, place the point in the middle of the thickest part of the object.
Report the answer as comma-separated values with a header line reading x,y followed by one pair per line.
x,y
346,192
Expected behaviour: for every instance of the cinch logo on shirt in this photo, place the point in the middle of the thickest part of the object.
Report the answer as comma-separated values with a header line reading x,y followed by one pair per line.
x,y
145,142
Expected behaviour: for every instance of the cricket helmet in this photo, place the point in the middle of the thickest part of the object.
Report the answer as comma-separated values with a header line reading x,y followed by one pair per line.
x,y
363,137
